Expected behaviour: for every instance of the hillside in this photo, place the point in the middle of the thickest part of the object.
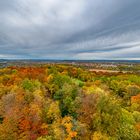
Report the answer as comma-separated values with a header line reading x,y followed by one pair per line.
x,y
65,102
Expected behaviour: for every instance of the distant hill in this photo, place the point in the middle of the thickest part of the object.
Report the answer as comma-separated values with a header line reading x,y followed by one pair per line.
x,y
70,61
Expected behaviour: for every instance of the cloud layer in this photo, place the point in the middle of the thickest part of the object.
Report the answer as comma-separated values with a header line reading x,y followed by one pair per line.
x,y
74,29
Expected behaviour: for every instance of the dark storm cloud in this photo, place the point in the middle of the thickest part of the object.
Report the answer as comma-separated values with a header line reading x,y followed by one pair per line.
x,y
76,29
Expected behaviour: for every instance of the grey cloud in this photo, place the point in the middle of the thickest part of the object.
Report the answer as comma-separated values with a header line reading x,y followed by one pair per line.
x,y
76,29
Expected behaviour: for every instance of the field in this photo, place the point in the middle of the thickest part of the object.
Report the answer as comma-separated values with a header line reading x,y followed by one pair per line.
x,y
69,101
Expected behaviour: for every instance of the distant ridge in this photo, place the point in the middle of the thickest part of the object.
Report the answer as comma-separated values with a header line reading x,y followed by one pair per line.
x,y
80,61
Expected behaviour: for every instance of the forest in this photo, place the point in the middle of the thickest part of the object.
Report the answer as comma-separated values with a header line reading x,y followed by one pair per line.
x,y
63,102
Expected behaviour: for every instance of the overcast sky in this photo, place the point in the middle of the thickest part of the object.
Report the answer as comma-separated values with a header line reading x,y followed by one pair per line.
x,y
70,29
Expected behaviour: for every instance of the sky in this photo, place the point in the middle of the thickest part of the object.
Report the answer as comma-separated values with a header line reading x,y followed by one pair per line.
x,y
70,29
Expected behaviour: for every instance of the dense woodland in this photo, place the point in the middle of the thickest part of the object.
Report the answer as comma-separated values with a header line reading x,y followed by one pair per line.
x,y
60,102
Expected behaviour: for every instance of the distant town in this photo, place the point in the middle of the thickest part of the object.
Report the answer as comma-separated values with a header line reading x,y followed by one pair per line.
x,y
111,66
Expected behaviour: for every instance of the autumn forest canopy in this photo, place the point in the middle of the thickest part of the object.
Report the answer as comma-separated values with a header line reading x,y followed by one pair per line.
x,y
65,102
